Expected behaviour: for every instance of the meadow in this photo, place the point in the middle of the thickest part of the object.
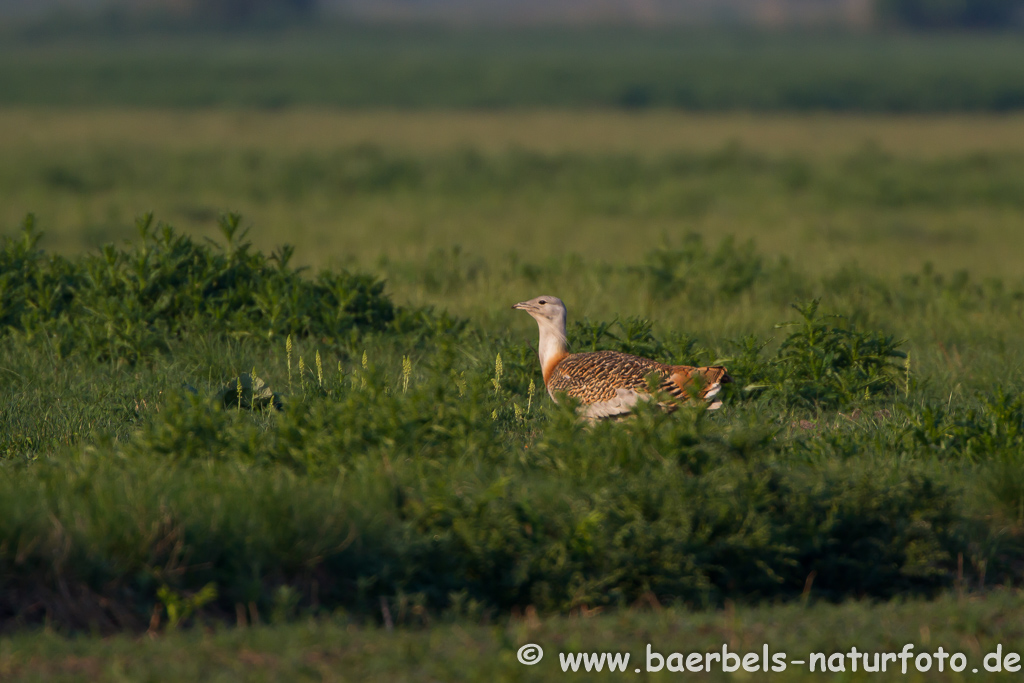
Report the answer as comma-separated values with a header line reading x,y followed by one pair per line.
x,y
859,274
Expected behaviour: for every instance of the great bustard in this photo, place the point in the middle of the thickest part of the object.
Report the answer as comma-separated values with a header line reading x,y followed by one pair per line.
x,y
609,383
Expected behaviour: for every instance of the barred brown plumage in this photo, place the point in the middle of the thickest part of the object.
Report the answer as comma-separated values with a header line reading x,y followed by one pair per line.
x,y
609,383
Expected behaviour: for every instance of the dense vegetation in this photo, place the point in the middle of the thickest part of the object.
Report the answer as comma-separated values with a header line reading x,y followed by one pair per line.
x,y
367,66
414,461
201,433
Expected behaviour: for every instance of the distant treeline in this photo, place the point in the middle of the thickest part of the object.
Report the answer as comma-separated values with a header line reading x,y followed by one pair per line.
x,y
78,15
422,67
950,13
917,14
241,11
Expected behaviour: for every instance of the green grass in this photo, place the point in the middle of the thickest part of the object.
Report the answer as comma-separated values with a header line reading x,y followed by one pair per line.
x,y
359,199
869,450
414,67
428,467
458,649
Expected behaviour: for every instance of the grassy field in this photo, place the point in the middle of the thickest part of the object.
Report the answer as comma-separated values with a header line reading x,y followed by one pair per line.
x,y
870,449
351,188
331,650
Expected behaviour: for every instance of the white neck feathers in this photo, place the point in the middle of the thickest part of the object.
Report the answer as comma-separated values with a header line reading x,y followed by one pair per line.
x,y
553,345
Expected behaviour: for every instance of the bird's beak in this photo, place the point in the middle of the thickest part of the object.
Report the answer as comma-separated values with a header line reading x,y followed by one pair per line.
x,y
522,305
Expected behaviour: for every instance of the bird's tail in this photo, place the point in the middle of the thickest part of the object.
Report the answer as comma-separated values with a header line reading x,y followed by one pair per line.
x,y
714,377
703,382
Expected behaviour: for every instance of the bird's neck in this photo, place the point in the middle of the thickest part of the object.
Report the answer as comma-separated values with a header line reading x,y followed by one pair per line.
x,y
552,348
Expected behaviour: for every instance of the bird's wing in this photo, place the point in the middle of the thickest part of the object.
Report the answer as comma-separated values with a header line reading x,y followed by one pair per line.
x,y
610,383
599,376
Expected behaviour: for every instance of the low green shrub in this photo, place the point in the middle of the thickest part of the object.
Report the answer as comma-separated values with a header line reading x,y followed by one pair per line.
x,y
431,496
129,304
825,363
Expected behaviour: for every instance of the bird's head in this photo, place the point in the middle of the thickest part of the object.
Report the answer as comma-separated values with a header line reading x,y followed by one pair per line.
x,y
545,309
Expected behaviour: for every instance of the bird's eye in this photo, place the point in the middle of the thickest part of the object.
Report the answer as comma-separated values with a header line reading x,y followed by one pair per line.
x,y
542,302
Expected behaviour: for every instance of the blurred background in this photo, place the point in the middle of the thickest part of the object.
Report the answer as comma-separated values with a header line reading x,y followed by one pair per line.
x,y
680,172
860,14
438,141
